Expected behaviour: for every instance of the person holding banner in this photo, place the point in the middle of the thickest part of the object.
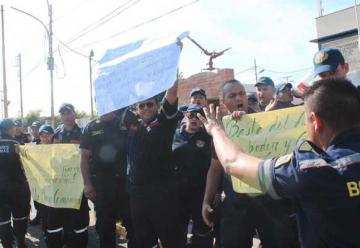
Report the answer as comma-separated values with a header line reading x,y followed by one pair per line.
x,y
242,215
103,167
154,206
14,190
321,176
67,226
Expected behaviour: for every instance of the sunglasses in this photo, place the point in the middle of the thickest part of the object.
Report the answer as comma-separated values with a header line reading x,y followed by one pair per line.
x,y
191,115
147,104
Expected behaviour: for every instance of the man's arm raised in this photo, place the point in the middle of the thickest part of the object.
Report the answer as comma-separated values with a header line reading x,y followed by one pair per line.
x,y
231,157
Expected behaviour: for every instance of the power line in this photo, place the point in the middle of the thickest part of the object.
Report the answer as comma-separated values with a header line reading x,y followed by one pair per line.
x,y
69,11
102,20
287,72
139,25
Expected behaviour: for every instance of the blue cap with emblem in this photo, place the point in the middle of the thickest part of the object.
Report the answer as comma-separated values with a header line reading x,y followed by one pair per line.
x,y
327,59
264,81
197,91
36,124
281,87
46,129
6,124
195,108
66,106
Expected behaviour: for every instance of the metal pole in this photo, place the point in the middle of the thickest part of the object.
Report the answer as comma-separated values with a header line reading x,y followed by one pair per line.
x,y
91,91
256,76
357,22
51,65
320,8
4,64
21,91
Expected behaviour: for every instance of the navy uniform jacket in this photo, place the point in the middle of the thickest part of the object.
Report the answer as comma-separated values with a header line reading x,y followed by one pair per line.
x,y
107,142
325,186
149,148
63,136
192,157
11,170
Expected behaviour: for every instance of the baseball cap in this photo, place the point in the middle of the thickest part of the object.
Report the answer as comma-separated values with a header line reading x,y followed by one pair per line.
x,y
18,122
327,59
197,91
66,106
6,124
36,124
46,129
195,108
252,97
281,87
264,81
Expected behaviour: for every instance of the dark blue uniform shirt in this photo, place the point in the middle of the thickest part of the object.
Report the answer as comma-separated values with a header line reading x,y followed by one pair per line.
x,y
149,147
107,142
325,186
63,136
11,170
192,156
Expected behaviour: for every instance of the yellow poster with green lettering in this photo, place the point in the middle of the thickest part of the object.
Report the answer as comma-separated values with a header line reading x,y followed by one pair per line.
x,y
266,135
53,173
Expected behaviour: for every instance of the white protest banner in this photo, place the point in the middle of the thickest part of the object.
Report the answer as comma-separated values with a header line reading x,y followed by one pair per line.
x,y
136,72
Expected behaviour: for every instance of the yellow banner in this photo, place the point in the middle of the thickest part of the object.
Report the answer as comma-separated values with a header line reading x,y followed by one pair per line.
x,y
53,173
266,135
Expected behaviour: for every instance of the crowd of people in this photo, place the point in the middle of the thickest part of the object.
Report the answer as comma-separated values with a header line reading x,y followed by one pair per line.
x,y
165,171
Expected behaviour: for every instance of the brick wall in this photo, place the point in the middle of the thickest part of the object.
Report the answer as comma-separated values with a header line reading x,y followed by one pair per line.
x,y
209,81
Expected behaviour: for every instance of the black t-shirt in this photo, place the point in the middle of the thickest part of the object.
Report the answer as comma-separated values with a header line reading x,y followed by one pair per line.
x,y
63,136
11,170
192,157
107,142
149,147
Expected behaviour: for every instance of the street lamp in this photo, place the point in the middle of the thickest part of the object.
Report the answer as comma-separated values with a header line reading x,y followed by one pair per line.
x,y
91,91
50,60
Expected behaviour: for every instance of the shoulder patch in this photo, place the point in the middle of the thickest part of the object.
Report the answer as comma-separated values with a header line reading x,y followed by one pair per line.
x,y
283,160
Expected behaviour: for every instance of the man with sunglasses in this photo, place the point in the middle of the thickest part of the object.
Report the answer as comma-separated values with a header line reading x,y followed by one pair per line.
x,y
192,156
149,155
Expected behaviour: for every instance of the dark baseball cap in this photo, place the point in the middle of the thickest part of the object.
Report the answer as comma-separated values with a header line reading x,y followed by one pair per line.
x,y
281,87
36,124
195,108
66,106
18,122
264,81
197,91
327,59
252,97
46,129
6,124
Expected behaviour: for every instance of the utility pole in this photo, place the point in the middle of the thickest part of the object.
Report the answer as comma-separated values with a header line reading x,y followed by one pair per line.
x,y
357,22
255,69
50,60
51,64
91,91
321,10
21,91
287,79
4,65
20,81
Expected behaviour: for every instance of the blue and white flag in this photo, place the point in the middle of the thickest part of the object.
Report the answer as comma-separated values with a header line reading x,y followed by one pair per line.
x,y
136,72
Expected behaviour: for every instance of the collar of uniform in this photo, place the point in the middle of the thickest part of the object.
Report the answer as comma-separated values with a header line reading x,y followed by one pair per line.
x,y
75,127
345,137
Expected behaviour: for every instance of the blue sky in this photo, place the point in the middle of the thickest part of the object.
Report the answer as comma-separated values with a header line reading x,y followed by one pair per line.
x,y
274,32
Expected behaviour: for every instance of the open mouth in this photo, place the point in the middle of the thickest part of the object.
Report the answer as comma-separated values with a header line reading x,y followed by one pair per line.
x,y
240,106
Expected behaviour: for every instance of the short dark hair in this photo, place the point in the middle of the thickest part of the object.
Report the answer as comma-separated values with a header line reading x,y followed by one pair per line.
x,y
336,101
222,87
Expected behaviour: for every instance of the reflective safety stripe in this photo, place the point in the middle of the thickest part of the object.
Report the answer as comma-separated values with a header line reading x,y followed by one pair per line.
x,y
81,230
337,164
5,222
21,218
55,230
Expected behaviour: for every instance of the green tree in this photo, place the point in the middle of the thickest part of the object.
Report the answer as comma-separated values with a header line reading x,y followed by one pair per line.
x,y
33,115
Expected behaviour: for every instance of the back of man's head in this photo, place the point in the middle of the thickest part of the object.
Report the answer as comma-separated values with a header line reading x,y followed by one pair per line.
x,y
336,101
